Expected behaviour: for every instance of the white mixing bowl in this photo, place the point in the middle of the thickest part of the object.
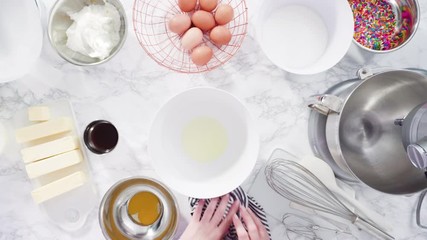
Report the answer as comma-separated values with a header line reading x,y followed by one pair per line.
x,y
21,38
304,36
211,177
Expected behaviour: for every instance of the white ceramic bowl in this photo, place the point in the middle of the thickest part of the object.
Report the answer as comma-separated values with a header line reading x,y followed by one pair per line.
x,y
304,36
21,38
203,179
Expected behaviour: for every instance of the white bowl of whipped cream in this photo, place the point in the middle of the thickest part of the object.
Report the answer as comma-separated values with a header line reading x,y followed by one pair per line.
x,y
87,32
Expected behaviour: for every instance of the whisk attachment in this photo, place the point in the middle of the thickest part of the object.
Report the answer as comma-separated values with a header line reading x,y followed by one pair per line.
x,y
296,183
305,227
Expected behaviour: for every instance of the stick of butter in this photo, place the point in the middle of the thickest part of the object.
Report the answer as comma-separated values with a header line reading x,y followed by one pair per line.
x,y
54,163
43,129
38,113
58,187
49,149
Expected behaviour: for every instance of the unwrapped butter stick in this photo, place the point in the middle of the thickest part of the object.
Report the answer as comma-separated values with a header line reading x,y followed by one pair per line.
x,y
43,129
58,187
54,163
38,113
49,149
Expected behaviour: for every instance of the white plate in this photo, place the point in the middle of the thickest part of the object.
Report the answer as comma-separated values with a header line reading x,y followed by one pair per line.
x,y
71,209
211,178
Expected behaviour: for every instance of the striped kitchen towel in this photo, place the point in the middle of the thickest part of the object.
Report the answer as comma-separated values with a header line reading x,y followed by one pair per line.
x,y
246,201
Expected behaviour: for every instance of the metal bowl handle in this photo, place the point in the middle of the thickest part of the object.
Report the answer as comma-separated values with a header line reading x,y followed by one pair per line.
x,y
417,153
325,103
366,72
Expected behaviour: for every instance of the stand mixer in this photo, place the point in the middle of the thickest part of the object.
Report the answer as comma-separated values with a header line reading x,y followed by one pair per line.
x,y
414,135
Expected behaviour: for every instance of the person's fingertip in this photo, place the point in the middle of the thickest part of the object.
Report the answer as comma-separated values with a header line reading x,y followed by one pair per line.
x,y
236,220
237,204
232,212
251,213
243,209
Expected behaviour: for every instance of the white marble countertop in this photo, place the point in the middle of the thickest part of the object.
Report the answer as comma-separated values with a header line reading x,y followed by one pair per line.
x,y
130,88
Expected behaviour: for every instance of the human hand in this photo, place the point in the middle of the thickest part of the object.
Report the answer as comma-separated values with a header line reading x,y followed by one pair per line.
x,y
255,229
212,225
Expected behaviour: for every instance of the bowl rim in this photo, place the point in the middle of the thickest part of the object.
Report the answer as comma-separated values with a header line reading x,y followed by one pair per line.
x,y
253,142
122,13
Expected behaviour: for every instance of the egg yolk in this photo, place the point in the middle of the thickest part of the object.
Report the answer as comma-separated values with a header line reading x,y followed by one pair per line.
x,y
144,208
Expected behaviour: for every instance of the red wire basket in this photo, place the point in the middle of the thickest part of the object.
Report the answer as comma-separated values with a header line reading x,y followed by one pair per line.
x,y
150,20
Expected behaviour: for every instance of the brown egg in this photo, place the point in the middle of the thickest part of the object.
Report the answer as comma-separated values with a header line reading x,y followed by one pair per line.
x,y
224,14
203,20
201,55
179,23
220,35
191,38
208,5
187,5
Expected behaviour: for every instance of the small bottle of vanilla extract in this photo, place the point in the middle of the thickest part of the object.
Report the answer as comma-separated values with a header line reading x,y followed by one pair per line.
x,y
101,136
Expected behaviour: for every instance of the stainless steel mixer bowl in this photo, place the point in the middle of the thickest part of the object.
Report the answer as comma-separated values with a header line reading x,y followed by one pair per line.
x,y
370,142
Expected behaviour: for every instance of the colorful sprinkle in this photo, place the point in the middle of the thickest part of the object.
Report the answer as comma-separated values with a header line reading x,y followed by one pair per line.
x,y
375,24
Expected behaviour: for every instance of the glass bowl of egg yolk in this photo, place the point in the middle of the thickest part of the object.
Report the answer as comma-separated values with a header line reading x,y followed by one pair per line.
x,y
190,36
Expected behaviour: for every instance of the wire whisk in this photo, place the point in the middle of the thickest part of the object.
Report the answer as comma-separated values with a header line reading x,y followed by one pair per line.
x,y
296,183
301,226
